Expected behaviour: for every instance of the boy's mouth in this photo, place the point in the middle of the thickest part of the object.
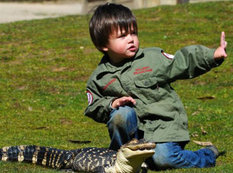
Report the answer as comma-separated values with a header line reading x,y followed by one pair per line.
x,y
132,48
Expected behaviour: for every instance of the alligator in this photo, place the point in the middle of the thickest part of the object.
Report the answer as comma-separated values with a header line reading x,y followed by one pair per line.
x,y
128,159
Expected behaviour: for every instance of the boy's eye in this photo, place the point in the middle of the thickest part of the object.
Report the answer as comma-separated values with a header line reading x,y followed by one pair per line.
x,y
122,35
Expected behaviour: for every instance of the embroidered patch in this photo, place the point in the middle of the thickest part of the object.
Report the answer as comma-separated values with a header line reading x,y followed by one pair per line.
x,y
168,56
142,70
89,97
109,83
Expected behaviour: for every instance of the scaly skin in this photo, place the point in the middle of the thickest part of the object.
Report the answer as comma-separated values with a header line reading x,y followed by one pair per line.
x,y
128,159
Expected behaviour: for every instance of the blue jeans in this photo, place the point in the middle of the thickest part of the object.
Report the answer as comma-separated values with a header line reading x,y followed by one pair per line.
x,y
172,155
122,128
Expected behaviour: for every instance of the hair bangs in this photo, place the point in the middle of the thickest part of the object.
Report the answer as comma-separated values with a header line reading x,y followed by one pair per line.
x,y
127,24
128,27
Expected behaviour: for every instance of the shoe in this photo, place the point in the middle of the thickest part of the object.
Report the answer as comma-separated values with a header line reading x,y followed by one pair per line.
x,y
144,168
215,151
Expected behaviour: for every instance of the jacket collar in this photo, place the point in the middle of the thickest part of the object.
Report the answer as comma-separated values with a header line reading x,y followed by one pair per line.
x,y
106,66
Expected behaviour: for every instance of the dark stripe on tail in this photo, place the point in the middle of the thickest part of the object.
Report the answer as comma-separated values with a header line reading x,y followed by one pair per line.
x,y
50,157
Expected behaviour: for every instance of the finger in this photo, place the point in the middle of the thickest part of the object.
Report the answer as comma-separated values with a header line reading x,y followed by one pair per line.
x,y
222,40
132,100
223,53
129,99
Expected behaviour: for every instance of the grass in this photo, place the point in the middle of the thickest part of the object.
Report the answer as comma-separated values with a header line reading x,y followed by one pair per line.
x,y
45,64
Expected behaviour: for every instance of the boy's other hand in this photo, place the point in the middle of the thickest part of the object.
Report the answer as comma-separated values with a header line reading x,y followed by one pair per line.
x,y
122,101
220,52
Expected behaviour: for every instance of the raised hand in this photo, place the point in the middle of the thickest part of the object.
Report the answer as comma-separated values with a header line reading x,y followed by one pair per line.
x,y
123,101
220,52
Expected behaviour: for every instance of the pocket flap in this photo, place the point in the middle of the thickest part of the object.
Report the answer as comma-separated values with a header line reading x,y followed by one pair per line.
x,y
146,83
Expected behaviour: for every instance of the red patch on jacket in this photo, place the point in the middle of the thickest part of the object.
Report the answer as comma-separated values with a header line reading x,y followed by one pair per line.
x,y
142,70
109,83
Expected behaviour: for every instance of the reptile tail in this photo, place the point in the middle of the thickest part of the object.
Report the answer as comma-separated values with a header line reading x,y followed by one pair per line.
x,y
49,157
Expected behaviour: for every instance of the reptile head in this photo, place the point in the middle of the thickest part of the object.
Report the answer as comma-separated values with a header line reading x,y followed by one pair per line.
x,y
131,156
138,148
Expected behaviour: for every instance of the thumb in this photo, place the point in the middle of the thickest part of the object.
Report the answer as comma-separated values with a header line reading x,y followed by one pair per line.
x,y
223,43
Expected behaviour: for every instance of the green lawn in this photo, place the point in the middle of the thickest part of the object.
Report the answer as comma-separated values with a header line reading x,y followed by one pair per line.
x,y
45,64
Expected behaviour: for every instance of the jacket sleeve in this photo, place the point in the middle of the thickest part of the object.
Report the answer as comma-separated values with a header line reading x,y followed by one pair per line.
x,y
189,62
98,105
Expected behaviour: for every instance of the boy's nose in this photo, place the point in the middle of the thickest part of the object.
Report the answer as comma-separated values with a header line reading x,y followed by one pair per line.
x,y
130,38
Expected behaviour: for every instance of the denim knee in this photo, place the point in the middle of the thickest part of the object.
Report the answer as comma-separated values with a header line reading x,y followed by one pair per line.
x,y
122,116
162,157
122,126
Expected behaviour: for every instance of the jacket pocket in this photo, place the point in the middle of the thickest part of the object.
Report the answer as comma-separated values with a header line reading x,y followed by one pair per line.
x,y
146,83
147,90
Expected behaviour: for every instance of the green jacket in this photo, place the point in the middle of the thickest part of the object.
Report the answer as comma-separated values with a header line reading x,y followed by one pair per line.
x,y
147,78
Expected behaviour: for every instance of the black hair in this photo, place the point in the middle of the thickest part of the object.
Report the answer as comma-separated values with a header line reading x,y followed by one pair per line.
x,y
106,19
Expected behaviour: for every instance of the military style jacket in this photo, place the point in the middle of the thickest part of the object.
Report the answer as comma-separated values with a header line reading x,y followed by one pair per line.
x,y
147,78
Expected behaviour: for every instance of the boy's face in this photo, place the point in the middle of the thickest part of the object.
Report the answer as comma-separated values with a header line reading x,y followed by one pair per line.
x,y
121,45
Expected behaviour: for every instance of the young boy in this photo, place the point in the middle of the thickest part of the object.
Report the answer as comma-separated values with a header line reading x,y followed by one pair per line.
x,y
130,89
